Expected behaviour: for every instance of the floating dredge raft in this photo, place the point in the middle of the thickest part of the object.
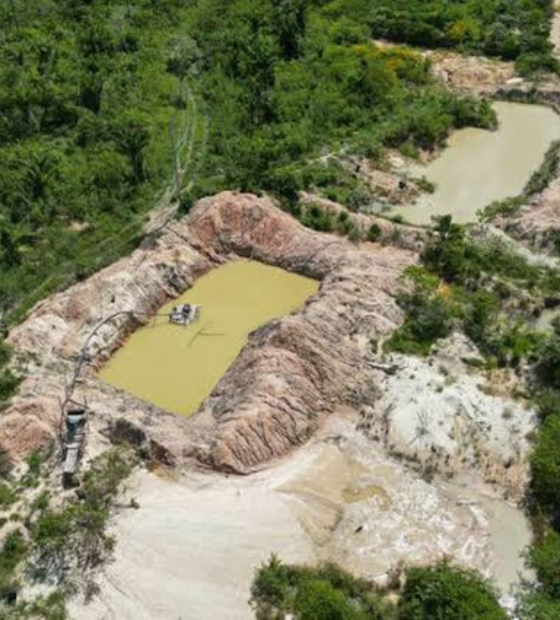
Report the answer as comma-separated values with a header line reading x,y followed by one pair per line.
x,y
184,314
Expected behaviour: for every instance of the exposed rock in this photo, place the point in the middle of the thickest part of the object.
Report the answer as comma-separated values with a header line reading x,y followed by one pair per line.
x,y
468,74
438,414
291,373
471,74
453,352
388,186
537,224
339,498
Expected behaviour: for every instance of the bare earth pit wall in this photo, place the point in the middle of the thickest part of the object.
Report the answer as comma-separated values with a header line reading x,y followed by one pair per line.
x,y
291,373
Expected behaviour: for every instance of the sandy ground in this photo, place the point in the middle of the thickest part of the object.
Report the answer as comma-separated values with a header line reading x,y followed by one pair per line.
x,y
190,550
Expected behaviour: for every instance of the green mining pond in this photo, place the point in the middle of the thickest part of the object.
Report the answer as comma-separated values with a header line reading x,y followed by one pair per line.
x,y
177,366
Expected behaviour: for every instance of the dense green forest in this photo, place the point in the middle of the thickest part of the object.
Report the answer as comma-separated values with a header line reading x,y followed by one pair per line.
x,y
510,29
95,97
86,108
98,100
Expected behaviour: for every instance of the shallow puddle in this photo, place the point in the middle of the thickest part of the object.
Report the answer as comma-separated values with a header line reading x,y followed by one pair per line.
x,y
479,167
176,367
354,494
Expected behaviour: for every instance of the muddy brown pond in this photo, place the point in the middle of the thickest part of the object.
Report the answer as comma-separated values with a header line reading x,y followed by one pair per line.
x,y
176,367
479,167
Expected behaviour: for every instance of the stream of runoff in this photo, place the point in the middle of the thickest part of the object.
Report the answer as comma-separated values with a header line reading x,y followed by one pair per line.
x,y
479,167
176,367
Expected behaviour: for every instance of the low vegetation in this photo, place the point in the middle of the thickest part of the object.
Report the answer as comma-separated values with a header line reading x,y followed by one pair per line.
x,y
469,284
429,316
12,554
9,381
58,544
329,593
75,535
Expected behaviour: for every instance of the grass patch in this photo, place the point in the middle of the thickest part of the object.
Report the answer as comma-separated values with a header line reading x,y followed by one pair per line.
x,y
75,535
7,495
14,551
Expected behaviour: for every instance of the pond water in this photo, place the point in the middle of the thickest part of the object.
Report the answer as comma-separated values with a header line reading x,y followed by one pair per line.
x,y
480,166
176,367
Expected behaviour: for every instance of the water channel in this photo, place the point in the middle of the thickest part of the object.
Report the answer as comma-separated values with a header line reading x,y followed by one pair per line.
x,y
176,367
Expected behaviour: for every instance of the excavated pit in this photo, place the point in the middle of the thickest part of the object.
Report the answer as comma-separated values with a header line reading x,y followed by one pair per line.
x,y
177,366
290,374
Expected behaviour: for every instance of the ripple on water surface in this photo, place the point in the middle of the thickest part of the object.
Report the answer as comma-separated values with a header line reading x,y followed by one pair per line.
x,y
479,167
176,367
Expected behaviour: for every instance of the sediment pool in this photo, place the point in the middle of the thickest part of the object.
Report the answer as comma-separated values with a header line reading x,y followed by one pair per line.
x,y
479,167
176,367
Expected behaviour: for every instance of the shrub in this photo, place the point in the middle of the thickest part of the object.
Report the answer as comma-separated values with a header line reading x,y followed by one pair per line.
x,y
443,592
317,218
13,552
7,495
534,605
374,233
313,593
5,353
545,467
428,318
448,253
318,600
481,312
9,383
354,233
34,463
49,607
548,403
548,365
31,477
544,558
